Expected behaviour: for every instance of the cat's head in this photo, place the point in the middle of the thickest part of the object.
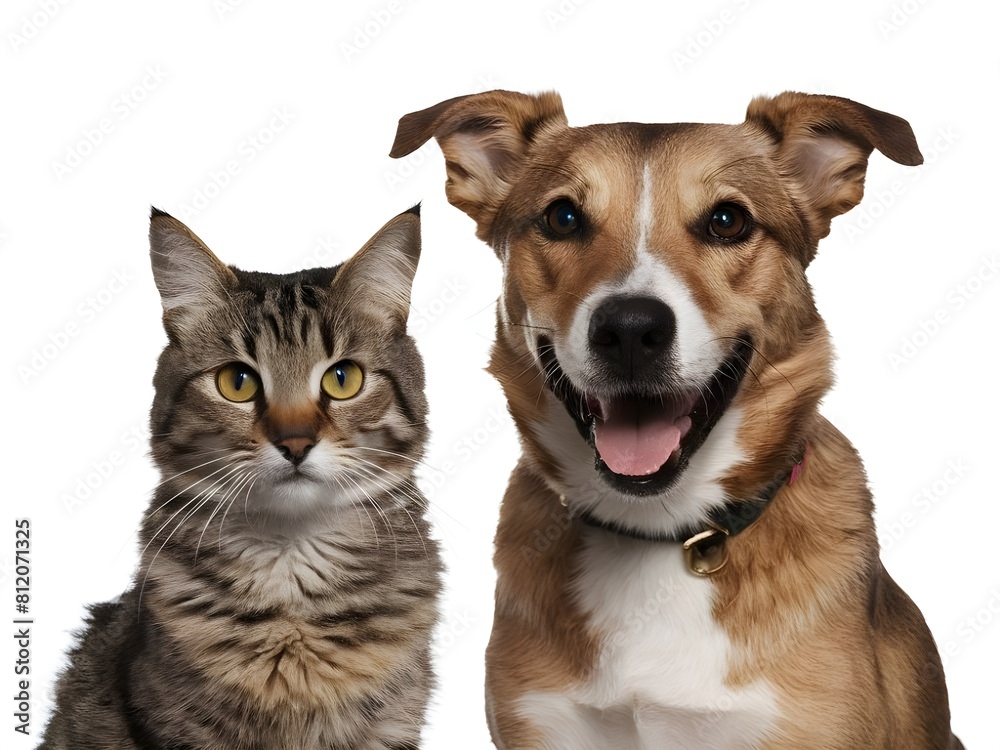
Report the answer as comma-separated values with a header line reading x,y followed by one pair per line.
x,y
286,394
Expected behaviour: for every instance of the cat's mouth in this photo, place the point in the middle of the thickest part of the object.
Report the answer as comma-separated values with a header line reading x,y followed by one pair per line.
x,y
643,440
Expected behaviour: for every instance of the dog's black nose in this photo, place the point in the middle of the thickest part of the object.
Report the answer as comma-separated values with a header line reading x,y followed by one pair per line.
x,y
632,335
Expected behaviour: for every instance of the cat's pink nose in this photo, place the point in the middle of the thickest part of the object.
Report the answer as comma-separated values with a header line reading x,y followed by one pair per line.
x,y
295,448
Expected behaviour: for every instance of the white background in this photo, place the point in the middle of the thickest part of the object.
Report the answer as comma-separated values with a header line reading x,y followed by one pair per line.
x,y
180,89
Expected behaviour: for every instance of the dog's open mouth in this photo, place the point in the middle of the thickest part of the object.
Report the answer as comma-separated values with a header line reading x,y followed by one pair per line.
x,y
643,442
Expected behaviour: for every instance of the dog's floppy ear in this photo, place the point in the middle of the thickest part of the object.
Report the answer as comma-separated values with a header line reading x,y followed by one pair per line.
x,y
824,143
484,138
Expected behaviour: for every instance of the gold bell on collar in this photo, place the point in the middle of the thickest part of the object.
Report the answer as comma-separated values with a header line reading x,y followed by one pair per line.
x,y
705,553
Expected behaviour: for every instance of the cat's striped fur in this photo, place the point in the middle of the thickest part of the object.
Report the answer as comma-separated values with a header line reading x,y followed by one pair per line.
x,y
288,585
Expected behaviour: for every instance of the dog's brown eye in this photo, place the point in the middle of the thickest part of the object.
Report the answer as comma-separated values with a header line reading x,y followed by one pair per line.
x,y
562,217
728,222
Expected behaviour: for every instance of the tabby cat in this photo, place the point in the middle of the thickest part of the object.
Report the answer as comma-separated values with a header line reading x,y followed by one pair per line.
x,y
287,586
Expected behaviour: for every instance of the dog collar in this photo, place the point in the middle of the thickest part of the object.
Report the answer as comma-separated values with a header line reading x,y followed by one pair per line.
x,y
705,548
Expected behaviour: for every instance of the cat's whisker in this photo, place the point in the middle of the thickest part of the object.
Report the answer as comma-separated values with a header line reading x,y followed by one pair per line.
x,y
157,510
411,489
376,473
179,474
203,498
201,453
392,454
338,479
199,500
402,486
142,555
240,480
375,476
374,503
415,498
254,476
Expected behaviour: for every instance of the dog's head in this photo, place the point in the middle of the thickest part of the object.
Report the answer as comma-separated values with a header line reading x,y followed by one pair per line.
x,y
657,338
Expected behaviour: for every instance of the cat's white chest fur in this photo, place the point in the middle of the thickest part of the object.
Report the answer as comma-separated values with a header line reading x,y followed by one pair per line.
x,y
291,573
659,681
283,574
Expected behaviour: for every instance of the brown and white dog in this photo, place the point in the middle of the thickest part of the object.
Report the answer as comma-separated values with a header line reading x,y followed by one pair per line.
x,y
686,554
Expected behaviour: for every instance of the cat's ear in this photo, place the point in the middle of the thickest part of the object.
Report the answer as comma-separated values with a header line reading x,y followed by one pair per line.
x,y
186,272
385,266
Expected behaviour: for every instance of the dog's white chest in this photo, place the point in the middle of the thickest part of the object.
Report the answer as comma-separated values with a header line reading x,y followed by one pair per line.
x,y
660,678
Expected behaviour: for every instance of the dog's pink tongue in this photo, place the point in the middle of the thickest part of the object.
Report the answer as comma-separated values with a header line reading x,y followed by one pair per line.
x,y
636,438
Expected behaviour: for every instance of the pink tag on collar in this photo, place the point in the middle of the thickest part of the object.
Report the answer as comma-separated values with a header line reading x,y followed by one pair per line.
x,y
797,469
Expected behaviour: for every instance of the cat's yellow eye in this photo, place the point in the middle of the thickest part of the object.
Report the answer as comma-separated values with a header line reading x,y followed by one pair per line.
x,y
237,382
343,380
